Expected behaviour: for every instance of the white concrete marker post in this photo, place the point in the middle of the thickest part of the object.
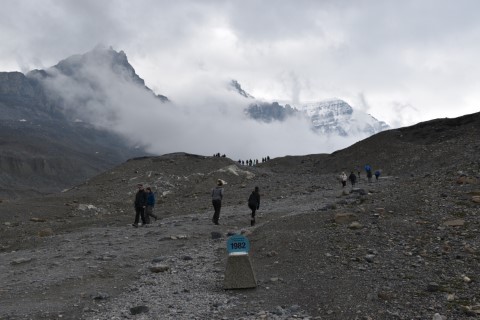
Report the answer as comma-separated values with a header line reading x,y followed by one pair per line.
x,y
239,273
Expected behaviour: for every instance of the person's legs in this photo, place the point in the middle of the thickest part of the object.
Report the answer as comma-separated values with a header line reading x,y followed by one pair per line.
x,y
142,215
217,204
147,216
252,220
137,215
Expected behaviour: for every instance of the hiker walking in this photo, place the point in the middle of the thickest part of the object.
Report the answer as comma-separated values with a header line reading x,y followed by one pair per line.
x,y
254,204
217,196
150,206
343,179
368,169
140,204
377,174
353,179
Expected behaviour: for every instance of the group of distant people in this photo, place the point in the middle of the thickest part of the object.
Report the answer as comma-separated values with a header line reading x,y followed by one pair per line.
x,y
145,202
353,178
254,162
218,155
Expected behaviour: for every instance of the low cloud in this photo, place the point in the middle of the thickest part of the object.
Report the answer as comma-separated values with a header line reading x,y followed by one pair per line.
x,y
205,117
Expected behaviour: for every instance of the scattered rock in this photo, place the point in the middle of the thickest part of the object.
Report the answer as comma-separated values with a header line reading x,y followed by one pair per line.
x,y
47,232
433,287
100,296
355,225
454,223
159,268
38,219
344,218
216,235
139,310
20,261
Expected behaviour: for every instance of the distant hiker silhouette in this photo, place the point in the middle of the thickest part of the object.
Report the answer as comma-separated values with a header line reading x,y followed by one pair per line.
x,y
353,179
140,204
377,174
368,169
254,203
343,179
217,196
150,206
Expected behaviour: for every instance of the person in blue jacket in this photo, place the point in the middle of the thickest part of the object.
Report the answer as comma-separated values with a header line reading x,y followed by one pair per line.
x,y
150,206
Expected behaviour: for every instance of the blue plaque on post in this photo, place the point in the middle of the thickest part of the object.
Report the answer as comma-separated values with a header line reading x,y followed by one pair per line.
x,y
238,244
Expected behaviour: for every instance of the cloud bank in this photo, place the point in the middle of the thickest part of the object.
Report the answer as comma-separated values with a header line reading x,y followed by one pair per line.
x,y
410,60
207,118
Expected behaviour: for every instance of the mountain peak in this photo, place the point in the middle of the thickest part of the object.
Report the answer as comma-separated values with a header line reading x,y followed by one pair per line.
x,y
97,58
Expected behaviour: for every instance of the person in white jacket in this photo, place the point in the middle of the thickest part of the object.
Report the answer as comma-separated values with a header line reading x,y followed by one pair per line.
x,y
343,179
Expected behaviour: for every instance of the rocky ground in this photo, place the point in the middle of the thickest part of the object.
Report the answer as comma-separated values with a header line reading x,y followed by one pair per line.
x,y
405,247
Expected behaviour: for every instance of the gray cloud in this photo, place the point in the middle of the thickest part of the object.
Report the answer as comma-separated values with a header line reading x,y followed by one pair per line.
x,y
208,118
417,53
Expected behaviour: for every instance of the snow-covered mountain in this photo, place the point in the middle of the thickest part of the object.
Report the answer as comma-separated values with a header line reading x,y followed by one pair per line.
x,y
328,117
335,116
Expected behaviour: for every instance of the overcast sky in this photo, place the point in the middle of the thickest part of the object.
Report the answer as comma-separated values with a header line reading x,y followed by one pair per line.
x,y
401,61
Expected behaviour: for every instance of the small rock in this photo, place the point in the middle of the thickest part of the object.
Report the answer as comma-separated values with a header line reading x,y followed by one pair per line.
x,y
454,223
159,268
20,261
433,287
216,235
100,296
437,316
370,258
38,219
344,218
272,254
138,310
45,232
355,225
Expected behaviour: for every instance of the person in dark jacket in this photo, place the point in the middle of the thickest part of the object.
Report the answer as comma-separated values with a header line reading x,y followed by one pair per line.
x,y
254,204
150,205
140,204
353,179
217,196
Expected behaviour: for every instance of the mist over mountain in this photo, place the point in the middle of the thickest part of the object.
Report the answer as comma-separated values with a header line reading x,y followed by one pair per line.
x,y
333,117
91,111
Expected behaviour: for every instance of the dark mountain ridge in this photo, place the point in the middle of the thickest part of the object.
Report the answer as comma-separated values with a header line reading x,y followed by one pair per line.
x,y
44,148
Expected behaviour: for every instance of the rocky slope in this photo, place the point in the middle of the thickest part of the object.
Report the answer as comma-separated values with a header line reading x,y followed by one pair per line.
x,y
44,147
405,247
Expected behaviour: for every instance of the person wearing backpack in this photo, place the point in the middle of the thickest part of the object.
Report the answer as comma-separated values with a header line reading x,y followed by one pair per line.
x,y
217,196
254,203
